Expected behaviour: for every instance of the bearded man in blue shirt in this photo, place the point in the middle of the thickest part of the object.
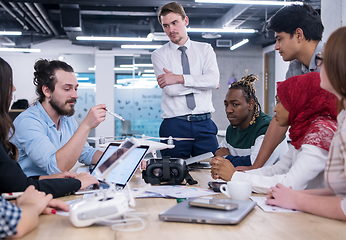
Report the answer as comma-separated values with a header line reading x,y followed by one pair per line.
x,y
48,138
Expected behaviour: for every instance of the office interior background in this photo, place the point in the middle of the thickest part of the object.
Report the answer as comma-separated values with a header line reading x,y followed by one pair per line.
x,y
120,73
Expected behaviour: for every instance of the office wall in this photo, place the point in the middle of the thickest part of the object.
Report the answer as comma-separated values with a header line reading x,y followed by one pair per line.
x,y
23,64
333,16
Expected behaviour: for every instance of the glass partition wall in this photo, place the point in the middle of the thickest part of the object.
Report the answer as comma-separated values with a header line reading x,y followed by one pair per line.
x,y
137,97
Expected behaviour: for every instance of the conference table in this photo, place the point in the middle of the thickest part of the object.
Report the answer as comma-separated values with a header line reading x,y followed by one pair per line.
x,y
256,225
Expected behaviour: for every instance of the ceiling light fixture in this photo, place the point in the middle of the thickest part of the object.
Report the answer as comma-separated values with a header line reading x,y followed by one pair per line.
x,y
241,43
124,39
210,35
254,2
10,33
143,64
128,68
221,30
158,36
149,70
141,46
8,44
82,78
136,65
24,50
148,75
125,69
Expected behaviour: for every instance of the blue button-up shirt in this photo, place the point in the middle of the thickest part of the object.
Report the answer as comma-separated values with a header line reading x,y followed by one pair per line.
x,y
38,139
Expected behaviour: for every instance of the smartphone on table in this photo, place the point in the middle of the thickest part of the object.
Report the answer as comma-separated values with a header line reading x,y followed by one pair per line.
x,y
213,203
215,185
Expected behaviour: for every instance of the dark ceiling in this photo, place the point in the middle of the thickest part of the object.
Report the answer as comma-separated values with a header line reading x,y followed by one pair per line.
x,y
42,20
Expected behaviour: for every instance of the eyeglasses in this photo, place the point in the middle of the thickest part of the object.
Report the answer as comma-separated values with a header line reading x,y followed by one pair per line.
x,y
318,60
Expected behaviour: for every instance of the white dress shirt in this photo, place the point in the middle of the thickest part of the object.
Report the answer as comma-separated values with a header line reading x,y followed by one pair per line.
x,y
204,77
299,169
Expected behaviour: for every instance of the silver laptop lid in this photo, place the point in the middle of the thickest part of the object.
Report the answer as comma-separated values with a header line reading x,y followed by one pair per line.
x,y
182,212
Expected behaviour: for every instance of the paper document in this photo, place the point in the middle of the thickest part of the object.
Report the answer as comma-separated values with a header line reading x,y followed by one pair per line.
x,y
178,191
267,208
199,158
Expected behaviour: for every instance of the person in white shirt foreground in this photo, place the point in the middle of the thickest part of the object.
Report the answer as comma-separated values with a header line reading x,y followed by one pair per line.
x,y
311,112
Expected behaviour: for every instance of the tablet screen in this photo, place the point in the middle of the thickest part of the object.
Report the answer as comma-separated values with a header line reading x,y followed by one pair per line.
x,y
122,173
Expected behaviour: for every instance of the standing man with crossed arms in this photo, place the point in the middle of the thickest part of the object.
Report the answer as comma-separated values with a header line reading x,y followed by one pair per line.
x,y
187,72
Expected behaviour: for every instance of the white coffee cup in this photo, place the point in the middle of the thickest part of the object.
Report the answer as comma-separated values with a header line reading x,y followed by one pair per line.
x,y
237,190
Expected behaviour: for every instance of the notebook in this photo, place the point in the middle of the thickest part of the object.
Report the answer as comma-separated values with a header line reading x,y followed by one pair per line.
x,y
200,161
123,172
202,157
182,212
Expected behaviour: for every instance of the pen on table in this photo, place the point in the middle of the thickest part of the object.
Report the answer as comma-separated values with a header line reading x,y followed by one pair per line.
x,y
12,195
115,115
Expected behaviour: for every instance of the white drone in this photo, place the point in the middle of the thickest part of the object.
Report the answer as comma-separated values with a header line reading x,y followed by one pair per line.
x,y
106,204
143,140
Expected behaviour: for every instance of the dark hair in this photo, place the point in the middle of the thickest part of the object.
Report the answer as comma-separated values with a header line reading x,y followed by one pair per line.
x,y
291,17
334,58
6,125
246,84
172,7
44,75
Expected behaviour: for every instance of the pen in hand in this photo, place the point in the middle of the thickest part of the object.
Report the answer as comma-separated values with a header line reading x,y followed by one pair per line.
x,y
13,195
115,115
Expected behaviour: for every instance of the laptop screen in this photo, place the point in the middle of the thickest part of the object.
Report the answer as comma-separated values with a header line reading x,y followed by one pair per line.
x,y
122,173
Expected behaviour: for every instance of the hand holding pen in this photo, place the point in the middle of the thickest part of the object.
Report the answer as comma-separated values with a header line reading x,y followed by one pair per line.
x,y
115,115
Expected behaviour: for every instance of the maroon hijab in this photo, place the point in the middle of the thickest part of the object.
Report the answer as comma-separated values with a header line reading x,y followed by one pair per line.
x,y
312,110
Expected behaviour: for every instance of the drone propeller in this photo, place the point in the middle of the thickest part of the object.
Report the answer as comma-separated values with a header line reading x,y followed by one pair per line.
x,y
107,137
168,138
102,139
176,139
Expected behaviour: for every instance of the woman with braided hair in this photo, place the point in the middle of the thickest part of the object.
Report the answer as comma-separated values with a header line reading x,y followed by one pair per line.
x,y
248,125
310,111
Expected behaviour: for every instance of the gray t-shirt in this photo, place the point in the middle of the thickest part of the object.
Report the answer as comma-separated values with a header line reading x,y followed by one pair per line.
x,y
298,68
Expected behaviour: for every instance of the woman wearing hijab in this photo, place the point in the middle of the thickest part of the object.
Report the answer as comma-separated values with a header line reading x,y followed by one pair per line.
x,y
330,201
310,111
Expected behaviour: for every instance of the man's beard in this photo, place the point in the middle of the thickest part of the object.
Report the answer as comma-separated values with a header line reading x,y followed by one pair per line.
x,y
59,109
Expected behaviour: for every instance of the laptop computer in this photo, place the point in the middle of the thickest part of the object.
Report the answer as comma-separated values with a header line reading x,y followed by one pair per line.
x,y
123,172
182,212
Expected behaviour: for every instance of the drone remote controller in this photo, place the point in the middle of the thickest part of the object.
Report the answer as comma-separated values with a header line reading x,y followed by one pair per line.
x,y
85,212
